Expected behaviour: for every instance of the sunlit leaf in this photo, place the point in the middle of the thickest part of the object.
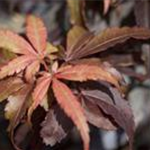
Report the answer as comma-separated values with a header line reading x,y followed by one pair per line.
x,y
39,93
72,108
14,43
36,32
15,66
84,72
31,70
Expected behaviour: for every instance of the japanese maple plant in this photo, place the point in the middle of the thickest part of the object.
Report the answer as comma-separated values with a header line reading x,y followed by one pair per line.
x,y
71,79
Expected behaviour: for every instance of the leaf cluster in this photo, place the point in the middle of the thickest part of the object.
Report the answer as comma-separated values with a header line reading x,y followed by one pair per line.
x,y
72,80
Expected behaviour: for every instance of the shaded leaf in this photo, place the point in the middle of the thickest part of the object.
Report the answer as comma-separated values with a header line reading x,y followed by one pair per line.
x,y
132,73
95,116
9,86
21,133
16,65
36,32
55,127
14,43
84,72
124,60
87,61
16,109
118,109
72,108
109,38
129,125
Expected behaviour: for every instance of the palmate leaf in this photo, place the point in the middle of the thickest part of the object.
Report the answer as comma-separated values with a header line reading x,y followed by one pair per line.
x,y
72,108
36,33
84,72
30,57
106,39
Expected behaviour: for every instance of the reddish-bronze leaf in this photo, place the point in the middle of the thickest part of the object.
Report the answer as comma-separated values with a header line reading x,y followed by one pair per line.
x,y
37,33
31,70
56,126
14,43
75,45
117,108
16,65
40,91
109,38
72,108
87,61
84,72
128,122
95,115
9,86
21,133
